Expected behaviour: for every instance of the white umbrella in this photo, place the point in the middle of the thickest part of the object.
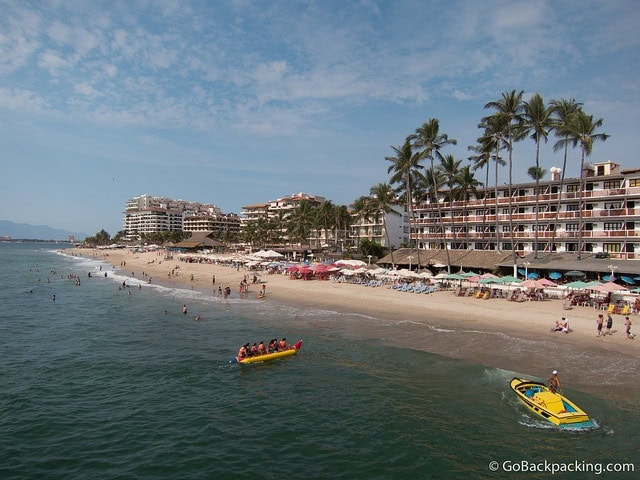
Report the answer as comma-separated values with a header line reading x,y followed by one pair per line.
x,y
351,263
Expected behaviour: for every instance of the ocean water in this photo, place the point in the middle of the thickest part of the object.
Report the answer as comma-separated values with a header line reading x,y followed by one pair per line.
x,y
113,382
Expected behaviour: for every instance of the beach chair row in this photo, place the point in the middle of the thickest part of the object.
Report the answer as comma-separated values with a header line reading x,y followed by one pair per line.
x,y
410,288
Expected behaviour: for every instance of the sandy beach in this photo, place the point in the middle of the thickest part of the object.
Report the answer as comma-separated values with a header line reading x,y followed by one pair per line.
x,y
609,364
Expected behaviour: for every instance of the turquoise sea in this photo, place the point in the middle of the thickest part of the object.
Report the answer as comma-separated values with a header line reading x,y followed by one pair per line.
x,y
102,383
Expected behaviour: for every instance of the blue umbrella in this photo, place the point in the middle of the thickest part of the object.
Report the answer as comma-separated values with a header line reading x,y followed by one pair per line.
x,y
626,279
533,276
607,278
637,279
555,275
521,271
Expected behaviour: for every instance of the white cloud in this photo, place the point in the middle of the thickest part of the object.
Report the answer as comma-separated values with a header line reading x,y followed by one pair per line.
x,y
87,90
21,100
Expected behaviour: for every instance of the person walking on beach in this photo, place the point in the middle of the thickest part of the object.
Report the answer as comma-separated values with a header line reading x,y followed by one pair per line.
x,y
609,325
627,324
554,382
599,323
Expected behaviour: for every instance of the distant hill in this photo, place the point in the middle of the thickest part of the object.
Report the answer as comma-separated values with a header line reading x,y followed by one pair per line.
x,y
36,232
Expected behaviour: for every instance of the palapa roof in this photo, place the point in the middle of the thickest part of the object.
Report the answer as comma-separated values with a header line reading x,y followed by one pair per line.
x,y
487,260
569,261
199,240
492,260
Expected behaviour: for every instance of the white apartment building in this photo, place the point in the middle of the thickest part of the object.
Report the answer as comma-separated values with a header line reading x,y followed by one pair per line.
x,y
146,214
373,228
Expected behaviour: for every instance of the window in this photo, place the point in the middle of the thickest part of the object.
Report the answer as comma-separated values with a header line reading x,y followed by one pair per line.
x,y
611,247
573,188
572,227
572,207
613,225
634,182
612,205
609,184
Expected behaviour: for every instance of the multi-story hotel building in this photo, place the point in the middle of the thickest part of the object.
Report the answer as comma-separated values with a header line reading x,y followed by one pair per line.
x,y
609,205
373,228
148,214
281,207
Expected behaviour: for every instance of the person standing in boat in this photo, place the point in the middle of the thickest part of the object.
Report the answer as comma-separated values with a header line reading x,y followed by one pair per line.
x,y
554,382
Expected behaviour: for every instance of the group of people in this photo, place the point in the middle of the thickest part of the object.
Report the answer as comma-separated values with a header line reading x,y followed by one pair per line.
x,y
601,327
248,350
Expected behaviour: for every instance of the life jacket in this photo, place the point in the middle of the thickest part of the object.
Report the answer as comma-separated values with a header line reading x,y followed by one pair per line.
x,y
242,352
283,345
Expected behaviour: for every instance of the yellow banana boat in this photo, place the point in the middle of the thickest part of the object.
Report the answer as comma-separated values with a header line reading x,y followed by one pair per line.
x,y
292,350
551,406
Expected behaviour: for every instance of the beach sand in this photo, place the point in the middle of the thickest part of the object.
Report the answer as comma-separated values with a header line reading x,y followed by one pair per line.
x,y
608,366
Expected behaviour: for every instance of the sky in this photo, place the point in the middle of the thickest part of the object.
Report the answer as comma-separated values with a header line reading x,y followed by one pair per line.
x,y
241,102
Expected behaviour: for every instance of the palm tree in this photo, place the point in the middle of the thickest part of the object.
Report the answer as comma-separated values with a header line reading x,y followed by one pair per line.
x,y
467,185
562,110
482,159
537,173
361,213
433,182
383,201
581,130
431,141
538,122
404,167
494,139
509,110
450,167
325,218
301,222
342,221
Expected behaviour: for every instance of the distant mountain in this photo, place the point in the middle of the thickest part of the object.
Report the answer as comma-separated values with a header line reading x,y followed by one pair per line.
x,y
36,232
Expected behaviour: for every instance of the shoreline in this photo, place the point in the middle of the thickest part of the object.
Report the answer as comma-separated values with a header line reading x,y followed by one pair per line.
x,y
411,319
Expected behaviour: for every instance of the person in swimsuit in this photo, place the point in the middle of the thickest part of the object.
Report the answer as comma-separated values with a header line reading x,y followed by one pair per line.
x,y
609,325
599,323
627,323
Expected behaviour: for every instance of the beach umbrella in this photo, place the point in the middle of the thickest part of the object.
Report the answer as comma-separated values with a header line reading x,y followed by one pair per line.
x,y
488,280
469,274
547,283
531,283
509,279
533,275
637,279
555,275
454,276
626,279
578,285
592,283
608,287
574,273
